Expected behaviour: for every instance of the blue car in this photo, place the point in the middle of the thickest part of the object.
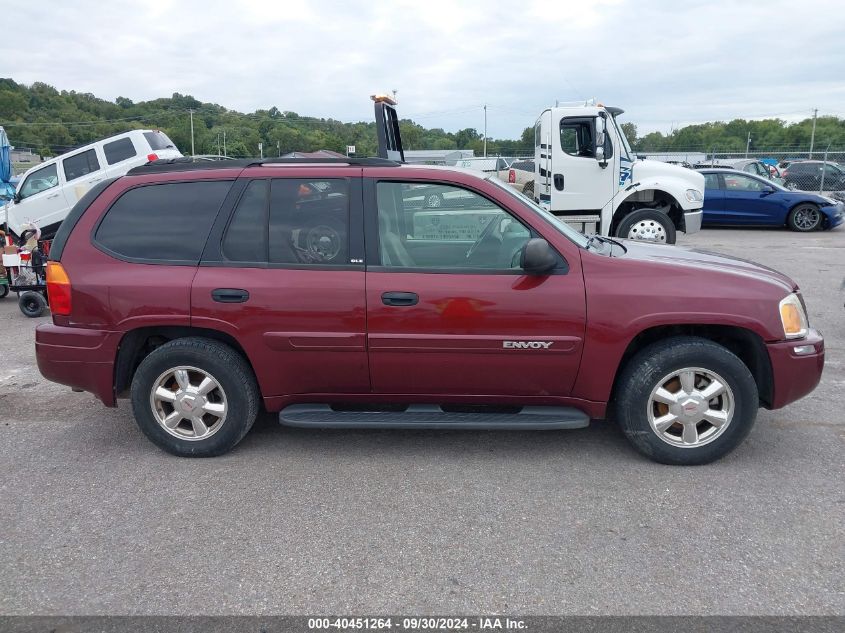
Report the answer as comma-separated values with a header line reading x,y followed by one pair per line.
x,y
733,198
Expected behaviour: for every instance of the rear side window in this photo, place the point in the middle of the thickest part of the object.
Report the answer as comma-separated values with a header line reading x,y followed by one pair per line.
x,y
711,181
119,150
165,223
158,140
290,221
80,165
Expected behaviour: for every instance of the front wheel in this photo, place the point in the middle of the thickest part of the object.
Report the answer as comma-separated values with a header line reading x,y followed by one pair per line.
x,y
804,218
685,401
647,225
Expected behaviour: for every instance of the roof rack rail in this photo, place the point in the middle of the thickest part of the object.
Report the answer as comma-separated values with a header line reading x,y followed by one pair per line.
x,y
186,163
372,162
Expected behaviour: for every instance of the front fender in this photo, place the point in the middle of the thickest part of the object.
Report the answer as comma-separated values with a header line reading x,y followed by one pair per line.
x,y
668,185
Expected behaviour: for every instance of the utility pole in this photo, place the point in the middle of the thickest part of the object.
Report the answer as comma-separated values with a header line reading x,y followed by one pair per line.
x,y
485,130
279,148
218,145
191,111
224,143
813,135
748,145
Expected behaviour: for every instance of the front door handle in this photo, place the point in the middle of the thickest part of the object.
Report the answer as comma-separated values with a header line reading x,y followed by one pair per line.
x,y
400,298
559,182
229,295
51,196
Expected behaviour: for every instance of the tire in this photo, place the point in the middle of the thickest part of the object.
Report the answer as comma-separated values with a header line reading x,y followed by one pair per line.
x,y
804,218
32,303
4,291
235,391
655,226
433,201
646,418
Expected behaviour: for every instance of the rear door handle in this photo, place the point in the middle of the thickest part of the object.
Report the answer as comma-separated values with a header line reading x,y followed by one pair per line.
x,y
400,298
229,295
559,182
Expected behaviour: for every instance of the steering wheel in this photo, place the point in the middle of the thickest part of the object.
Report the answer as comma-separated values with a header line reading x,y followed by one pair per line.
x,y
487,232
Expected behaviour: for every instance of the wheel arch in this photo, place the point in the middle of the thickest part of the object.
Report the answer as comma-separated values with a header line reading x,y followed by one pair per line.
x,y
650,198
137,344
747,345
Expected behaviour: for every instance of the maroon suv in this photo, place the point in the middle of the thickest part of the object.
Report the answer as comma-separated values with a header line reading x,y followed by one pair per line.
x,y
327,291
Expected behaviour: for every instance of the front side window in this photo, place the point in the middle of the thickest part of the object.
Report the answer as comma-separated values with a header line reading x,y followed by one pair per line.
x,y
467,231
40,180
80,165
291,221
578,137
119,150
738,182
167,222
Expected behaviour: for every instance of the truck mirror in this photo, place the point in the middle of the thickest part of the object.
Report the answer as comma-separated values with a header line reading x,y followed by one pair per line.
x,y
601,138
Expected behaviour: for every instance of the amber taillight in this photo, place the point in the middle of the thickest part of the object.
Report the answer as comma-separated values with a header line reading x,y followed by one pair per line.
x,y
58,289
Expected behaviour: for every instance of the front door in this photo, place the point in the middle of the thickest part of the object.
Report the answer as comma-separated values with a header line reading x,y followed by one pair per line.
x,y
714,199
42,199
748,200
579,182
449,310
283,279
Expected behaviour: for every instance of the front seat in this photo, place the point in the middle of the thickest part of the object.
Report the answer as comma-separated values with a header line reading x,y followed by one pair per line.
x,y
393,252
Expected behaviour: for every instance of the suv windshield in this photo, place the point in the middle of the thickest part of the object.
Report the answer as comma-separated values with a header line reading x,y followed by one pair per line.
x,y
555,221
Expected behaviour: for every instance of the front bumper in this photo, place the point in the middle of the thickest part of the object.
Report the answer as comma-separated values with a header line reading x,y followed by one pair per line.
x,y
79,358
692,220
835,214
795,374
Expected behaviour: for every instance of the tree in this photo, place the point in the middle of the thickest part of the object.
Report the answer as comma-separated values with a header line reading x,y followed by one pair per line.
x,y
630,132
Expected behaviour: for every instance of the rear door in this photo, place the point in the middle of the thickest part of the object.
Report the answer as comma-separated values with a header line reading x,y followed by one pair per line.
x,y
283,274
82,171
450,312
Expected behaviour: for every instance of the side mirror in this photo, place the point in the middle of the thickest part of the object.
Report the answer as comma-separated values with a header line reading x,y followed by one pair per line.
x,y
17,197
538,258
601,138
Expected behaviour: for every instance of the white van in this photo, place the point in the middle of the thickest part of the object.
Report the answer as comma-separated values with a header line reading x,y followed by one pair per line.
x,y
46,193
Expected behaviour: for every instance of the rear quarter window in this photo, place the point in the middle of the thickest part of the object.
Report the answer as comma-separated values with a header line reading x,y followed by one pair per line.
x,y
119,150
164,223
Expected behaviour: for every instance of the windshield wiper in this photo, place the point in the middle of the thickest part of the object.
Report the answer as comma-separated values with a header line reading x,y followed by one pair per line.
x,y
601,239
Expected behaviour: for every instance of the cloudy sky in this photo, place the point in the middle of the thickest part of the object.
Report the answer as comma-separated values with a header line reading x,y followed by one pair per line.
x,y
666,62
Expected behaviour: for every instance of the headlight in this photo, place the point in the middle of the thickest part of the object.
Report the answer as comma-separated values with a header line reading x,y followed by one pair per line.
x,y
694,195
793,317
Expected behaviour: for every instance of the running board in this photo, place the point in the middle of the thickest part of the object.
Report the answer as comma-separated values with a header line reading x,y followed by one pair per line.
x,y
432,416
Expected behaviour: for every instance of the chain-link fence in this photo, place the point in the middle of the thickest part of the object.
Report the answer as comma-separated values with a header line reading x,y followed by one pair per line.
x,y
817,171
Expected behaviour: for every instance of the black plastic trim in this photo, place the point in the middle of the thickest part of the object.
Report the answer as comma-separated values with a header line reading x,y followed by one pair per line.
x,y
185,163
69,223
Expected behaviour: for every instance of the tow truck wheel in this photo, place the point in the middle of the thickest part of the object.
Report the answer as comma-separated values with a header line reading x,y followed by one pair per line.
x,y
434,201
32,303
685,400
4,290
647,225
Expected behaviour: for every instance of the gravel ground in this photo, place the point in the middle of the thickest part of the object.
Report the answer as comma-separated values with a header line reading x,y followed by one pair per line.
x,y
96,520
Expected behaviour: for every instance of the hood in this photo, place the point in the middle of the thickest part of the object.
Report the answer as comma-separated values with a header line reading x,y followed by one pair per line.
x,y
706,261
655,169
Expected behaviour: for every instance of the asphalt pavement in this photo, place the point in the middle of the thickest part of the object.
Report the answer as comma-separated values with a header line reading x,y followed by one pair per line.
x,y
95,520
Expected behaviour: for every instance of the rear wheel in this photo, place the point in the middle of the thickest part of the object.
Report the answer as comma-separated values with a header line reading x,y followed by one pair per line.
x,y
528,189
4,290
194,397
32,303
647,225
804,218
434,201
686,401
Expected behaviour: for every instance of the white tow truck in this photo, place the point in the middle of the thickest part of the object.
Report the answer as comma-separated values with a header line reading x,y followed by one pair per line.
x,y
585,172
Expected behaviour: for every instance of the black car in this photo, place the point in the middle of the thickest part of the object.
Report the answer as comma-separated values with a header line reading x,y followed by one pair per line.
x,y
807,176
